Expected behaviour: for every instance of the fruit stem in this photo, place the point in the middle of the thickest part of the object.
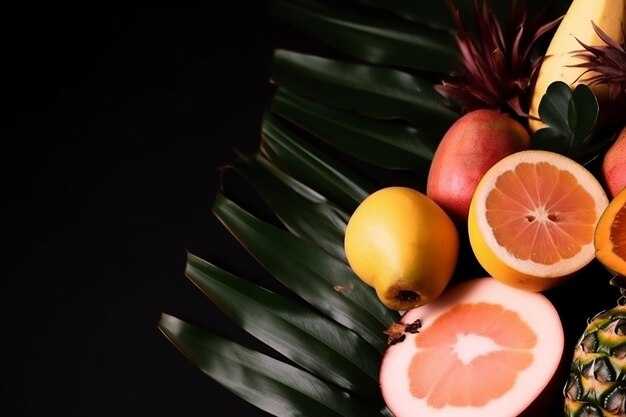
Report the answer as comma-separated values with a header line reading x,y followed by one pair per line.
x,y
398,330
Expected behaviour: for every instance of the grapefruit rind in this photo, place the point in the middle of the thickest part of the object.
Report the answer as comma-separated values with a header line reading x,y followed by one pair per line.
x,y
533,309
497,260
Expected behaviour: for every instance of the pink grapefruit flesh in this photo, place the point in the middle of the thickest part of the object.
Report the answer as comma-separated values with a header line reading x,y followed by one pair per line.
x,y
484,349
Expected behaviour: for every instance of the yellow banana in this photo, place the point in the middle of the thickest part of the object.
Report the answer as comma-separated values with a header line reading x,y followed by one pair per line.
x,y
576,26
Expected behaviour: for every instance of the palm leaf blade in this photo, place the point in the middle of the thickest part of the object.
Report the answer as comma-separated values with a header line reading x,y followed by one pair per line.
x,y
303,211
374,91
269,384
383,143
322,280
319,345
436,14
320,171
377,40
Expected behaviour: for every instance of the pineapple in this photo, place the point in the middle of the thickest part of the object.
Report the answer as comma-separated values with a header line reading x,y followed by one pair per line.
x,y
597,381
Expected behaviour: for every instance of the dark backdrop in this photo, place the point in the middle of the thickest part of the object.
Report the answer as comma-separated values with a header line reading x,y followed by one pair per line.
x,y
115,121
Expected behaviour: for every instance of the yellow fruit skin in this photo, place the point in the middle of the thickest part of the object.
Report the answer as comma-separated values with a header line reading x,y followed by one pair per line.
x,y
603,242
498,269
401,242
608,15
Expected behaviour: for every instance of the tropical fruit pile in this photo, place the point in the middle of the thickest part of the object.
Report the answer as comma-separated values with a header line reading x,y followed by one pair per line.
x,y
447,194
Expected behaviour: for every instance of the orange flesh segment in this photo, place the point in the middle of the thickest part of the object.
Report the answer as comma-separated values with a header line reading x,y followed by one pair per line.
x,y
485,377
541,213
618,233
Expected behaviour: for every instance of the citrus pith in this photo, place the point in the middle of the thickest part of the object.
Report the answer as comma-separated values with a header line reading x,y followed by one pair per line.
x,y
533,217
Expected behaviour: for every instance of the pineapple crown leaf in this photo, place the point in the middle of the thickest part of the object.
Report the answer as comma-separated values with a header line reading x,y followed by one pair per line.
x,y
497,70
619,282
606,64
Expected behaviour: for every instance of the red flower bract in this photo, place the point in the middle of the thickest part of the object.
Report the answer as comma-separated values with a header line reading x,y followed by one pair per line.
x,y
497,67
607,63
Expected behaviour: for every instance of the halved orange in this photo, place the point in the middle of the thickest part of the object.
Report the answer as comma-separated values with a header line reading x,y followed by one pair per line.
x,y
610,237
533,217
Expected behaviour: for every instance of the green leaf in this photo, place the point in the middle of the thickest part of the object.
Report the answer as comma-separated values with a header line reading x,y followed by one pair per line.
x,y
388,144
553,108
570,117
375,39
315,168
377,92
435,13
322,280
303,211
271,385
551,140
321,346
583,112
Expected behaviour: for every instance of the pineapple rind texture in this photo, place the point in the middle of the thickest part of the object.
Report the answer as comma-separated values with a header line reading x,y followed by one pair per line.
x,y
597,382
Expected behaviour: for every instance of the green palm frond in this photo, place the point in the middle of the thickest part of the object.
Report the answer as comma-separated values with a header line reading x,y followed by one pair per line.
x,y
322,280
375,105
374,91
390,144
290,152
271,385
380,40
303,211
297,332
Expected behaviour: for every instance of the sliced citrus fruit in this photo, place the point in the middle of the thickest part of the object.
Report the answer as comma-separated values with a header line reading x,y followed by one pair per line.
x,y
610,236
532,219
483,349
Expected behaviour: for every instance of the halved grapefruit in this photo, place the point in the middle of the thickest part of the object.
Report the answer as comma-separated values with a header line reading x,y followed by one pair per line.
x,y
532,219
483,349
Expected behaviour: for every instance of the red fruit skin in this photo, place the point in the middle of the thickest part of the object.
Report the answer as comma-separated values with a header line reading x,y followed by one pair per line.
x,y
472,145
614,166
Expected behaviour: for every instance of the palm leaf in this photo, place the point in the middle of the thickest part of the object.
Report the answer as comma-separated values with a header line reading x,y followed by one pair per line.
x,y
312,166
388,144
269,384
302,210
322,280
326,349
436,14
374,91
377,40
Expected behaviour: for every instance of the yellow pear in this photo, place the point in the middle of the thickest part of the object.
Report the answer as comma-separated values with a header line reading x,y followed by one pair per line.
x,y
576,26
404,245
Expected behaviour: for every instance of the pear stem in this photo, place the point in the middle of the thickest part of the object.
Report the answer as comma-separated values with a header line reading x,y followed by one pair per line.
x,y
398,330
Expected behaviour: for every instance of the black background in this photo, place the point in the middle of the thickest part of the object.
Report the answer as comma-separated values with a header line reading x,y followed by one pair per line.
x,y
115,122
